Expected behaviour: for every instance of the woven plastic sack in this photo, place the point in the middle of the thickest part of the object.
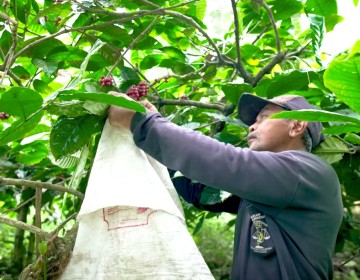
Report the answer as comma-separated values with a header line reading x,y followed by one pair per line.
x,y
131,223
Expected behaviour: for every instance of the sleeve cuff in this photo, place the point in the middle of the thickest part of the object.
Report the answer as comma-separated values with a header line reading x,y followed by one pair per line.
x,y
138,117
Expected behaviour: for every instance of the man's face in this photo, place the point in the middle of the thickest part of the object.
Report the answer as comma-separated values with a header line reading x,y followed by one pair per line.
x,y
269,134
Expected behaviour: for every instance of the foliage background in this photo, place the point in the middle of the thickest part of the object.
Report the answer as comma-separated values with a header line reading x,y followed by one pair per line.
x,y
53,53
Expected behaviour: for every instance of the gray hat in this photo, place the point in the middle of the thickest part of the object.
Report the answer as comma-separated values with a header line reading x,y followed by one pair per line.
x,y
251,105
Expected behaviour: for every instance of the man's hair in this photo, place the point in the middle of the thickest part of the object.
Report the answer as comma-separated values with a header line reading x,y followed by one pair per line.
x,y
307,140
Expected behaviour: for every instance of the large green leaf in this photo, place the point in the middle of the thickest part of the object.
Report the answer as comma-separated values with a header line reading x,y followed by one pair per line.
x,y
71,134
316,116
285,8
233,91
285,83
150,61
20,102
331,150
172,52
32,153
56,10
48,66
342,128
19,129
21,9
343,78
321,7
102,98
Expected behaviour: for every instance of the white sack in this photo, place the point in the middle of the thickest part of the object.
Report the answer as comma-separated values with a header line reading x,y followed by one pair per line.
x,y
131,223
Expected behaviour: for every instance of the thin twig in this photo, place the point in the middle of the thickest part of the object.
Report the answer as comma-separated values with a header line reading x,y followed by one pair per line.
x,y
142,34
260,34
34,185
22,204
72,216
245,74
24,226
350,259
267,68
272,20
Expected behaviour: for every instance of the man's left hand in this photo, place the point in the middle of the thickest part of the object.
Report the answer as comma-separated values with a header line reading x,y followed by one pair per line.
x,y
118,116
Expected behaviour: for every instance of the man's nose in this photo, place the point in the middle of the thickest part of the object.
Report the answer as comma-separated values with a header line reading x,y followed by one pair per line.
x,y
252,127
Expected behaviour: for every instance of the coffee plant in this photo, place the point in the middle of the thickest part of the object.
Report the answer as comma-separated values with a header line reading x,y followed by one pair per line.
x,y
59,59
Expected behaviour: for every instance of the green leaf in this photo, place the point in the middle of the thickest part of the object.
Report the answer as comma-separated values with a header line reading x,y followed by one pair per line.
x,y
315,116
317,27
150,61
352,138
321,7
210,196
234,91
284,9
19,129
71,134
332,21
43,248
20,102
56,10
286,83
331,150
97,45
342,128
343,78
226,119
32,153
356,48
102,98
172,52
21,9
177,67
48,66
21,72
5,41
199,224
68,161
73,108
129,74
78,174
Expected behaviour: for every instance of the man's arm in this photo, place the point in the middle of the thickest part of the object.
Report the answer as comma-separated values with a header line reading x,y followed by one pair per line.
x,y
191,192
263,177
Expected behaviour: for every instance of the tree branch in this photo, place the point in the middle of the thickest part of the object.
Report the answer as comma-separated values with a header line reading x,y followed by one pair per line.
x,y
266,69
244,73
214,106
142,34
34,185
35,230
272,20
8,59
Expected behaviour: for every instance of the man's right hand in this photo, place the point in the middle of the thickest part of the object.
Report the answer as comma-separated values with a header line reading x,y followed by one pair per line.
x,y
149,106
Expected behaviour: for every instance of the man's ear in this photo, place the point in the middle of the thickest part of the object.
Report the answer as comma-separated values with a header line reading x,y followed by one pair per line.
x,y
297,128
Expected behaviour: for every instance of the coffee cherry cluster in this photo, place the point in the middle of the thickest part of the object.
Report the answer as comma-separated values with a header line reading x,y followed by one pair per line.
x,y
4,116
106,81
138,91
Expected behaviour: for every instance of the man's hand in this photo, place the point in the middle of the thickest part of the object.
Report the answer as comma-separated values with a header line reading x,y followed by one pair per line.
x,y
121,117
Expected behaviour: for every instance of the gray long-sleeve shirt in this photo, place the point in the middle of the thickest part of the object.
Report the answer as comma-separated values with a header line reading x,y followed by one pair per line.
x,y
290,208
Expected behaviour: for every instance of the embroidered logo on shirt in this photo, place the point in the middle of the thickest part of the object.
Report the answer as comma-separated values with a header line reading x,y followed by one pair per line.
x,y
260,236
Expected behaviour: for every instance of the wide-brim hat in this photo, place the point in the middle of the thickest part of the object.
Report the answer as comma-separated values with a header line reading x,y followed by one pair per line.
x,y
250,106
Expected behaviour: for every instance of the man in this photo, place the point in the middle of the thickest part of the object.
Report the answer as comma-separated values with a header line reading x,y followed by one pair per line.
x,y
287,200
